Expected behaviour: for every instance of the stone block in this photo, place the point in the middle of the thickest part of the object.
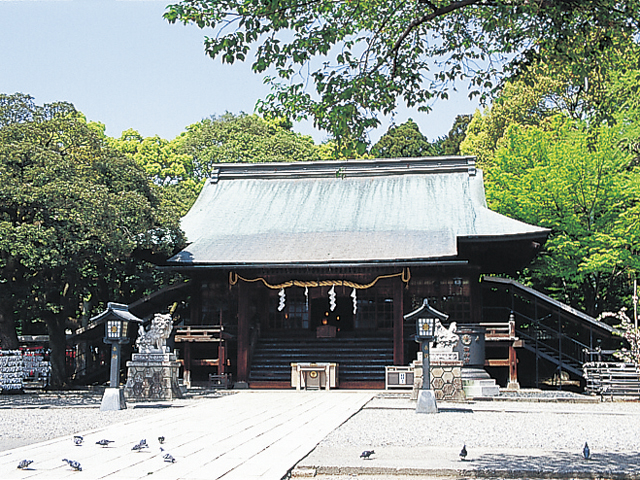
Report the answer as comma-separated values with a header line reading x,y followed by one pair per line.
x,y
152,377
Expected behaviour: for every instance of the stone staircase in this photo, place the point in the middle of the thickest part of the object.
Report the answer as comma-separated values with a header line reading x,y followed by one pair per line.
x,y
360,360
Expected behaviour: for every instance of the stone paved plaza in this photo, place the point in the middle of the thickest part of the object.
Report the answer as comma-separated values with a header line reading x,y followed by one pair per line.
x,y
276,434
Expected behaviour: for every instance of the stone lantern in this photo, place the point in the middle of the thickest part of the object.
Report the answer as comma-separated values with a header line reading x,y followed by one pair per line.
x,y
116,320
426,318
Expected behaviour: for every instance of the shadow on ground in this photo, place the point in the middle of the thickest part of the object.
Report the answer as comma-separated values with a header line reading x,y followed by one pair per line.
x,y
557,464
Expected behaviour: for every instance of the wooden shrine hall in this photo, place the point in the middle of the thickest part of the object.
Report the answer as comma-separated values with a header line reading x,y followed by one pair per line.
x,y
319,262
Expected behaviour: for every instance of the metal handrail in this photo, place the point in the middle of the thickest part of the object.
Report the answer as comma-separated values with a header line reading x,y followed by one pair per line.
x,y
575,350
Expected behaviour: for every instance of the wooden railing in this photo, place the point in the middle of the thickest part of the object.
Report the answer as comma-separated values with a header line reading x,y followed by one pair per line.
x,y
199,333
500,331
189,334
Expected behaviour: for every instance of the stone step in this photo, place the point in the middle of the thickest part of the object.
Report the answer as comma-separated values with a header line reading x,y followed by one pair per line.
x,y
480,388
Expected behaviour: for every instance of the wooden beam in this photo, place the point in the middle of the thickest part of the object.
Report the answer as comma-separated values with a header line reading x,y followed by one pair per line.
x,y
497,362
206,362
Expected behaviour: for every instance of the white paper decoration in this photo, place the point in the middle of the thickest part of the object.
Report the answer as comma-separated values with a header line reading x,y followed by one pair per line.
x,y
354,296
332,298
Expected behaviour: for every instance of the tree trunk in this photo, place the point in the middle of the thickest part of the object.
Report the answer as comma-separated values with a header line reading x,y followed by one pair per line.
x,y
58,346
8,335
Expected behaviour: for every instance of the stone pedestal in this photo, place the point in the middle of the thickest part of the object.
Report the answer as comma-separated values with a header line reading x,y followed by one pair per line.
x,y
446,381
477,383
152,376
426,402
113,399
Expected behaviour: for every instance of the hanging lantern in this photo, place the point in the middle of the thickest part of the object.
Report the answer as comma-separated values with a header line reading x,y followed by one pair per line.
x,y
332,298
354,296
281,305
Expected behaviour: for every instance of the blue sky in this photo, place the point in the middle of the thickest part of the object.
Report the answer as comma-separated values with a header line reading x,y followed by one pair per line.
x,y
122,64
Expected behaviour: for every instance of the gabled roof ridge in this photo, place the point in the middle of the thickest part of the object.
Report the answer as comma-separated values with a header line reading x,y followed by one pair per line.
x,y
345,168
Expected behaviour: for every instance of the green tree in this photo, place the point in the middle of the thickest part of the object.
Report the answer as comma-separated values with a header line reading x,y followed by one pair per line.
x,y
341,62
182,165
450,143
404,140
243,138
166,165
79,222
577,182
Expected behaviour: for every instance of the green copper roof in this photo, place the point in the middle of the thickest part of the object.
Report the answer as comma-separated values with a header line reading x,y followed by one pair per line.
x,y
341,212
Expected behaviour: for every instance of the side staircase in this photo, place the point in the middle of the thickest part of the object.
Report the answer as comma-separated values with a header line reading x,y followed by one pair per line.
x,y
360,360
553,331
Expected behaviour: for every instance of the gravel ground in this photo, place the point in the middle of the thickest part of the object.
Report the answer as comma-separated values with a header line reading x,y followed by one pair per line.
x,y
37,417
392,422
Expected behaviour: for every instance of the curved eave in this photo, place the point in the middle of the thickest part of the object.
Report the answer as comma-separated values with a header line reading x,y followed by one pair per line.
x,y
502,253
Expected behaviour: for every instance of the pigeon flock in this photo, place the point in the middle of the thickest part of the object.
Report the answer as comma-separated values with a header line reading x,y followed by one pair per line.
x,y
167,457
78,440
366,454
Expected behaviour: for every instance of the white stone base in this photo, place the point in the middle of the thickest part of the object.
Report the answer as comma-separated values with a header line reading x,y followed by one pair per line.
x,y
426,402
480,388
113,399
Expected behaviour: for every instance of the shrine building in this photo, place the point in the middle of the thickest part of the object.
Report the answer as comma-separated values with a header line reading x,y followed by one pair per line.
x,y
320,261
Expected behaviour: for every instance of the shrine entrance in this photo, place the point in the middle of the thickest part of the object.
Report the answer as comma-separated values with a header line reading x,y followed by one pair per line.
x,y
341,317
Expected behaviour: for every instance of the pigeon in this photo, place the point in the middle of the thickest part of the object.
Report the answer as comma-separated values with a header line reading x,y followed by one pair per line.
x,y
73,464
586,452
104,442
167,456
463,453
139,446
24,464
77,439
367,454
161,440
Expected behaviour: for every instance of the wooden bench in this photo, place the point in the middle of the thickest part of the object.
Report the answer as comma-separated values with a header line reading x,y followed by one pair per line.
x,y
609,379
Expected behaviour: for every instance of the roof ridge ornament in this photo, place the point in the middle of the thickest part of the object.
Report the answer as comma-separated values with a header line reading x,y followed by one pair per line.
x,y
345,168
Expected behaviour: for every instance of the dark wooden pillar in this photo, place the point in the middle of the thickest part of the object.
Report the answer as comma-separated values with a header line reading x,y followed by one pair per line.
x,y
513,367
398,323
244,331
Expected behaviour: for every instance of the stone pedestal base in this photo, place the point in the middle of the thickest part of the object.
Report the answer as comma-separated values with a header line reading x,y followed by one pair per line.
x,y
446,381
426,402
477,383
152,376
113,399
